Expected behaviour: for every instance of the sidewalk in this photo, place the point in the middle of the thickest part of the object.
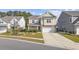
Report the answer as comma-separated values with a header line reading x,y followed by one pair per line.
x,y
55,39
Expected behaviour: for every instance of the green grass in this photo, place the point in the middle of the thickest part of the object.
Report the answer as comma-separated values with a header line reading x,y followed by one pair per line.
x,y
35,35
33,40
25,35
72,37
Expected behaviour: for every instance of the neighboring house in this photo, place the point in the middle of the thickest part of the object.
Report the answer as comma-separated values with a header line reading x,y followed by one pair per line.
x,y
10,21
45,22
34,23
69,22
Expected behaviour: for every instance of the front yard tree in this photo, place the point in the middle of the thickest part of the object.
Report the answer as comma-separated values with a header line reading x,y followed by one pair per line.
x,y
15,26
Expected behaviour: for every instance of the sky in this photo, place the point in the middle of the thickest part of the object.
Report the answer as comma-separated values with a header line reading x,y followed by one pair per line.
x,y
56,12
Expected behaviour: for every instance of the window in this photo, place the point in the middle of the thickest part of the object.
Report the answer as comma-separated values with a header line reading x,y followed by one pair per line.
x,y
35,21
48,20
1,22
70,20
32,21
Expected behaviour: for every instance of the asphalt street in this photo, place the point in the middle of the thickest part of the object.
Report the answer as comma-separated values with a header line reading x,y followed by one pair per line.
x,y
8,44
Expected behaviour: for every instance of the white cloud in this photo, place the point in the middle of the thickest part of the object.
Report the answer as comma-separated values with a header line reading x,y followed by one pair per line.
x,y
71,9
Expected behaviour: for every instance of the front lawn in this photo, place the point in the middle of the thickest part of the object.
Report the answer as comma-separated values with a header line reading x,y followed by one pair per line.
x,y
27,34
72,37
32,36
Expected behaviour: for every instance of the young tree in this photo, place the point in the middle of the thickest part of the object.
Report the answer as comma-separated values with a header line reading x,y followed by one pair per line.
x,y
15,26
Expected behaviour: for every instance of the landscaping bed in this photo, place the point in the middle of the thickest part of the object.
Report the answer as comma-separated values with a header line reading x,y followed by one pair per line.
x,y
72,37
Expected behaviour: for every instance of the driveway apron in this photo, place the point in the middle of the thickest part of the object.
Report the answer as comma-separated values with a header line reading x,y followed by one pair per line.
x,y
57,40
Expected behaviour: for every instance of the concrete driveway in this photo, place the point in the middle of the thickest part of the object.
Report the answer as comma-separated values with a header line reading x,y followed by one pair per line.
x,y
16,44
57,40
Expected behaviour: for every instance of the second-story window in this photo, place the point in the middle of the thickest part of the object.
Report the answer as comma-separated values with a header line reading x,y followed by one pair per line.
x,y
70,20
48,20
32,21
35,21
1,22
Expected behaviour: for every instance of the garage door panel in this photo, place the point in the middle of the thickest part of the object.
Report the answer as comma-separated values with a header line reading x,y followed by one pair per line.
x,y
77,31
3,29
48,29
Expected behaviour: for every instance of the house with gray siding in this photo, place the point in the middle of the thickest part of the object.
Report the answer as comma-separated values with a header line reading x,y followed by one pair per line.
x,y
69,22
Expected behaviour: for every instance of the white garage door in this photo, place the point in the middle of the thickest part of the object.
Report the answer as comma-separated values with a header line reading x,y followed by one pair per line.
x,y
77,31
3,29
46,29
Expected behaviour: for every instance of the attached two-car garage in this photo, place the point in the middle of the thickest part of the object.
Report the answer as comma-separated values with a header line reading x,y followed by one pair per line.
x,y
3,28
48,29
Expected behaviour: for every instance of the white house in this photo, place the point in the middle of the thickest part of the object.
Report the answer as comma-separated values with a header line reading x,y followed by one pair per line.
x,y
9,21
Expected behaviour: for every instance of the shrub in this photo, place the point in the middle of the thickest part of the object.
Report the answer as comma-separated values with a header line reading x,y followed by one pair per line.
x,y
32,30
22,30
29,30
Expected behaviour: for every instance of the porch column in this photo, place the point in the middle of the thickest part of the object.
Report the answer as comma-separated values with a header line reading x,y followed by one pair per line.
x,y
28,27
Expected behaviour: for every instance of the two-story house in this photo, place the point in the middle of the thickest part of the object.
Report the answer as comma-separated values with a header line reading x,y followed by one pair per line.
x,y
45,22
10,21
34,23
69,22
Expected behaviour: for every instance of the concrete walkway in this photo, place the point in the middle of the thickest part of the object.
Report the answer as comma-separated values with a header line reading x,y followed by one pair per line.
x,y
57,40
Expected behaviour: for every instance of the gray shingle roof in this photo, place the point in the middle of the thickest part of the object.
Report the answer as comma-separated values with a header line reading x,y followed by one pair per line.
x,y
9,18
38,16
72,13
51,14
34,17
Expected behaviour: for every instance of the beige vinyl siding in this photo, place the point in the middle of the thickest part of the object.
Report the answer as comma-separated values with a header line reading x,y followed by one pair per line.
x,y
44,21
30,21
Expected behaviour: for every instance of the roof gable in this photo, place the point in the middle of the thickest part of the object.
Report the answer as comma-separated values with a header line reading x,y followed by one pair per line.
x,y
72,13
9,18
48,14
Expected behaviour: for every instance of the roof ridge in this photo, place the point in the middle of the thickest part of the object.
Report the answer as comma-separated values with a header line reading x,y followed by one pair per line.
x,y
72,13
